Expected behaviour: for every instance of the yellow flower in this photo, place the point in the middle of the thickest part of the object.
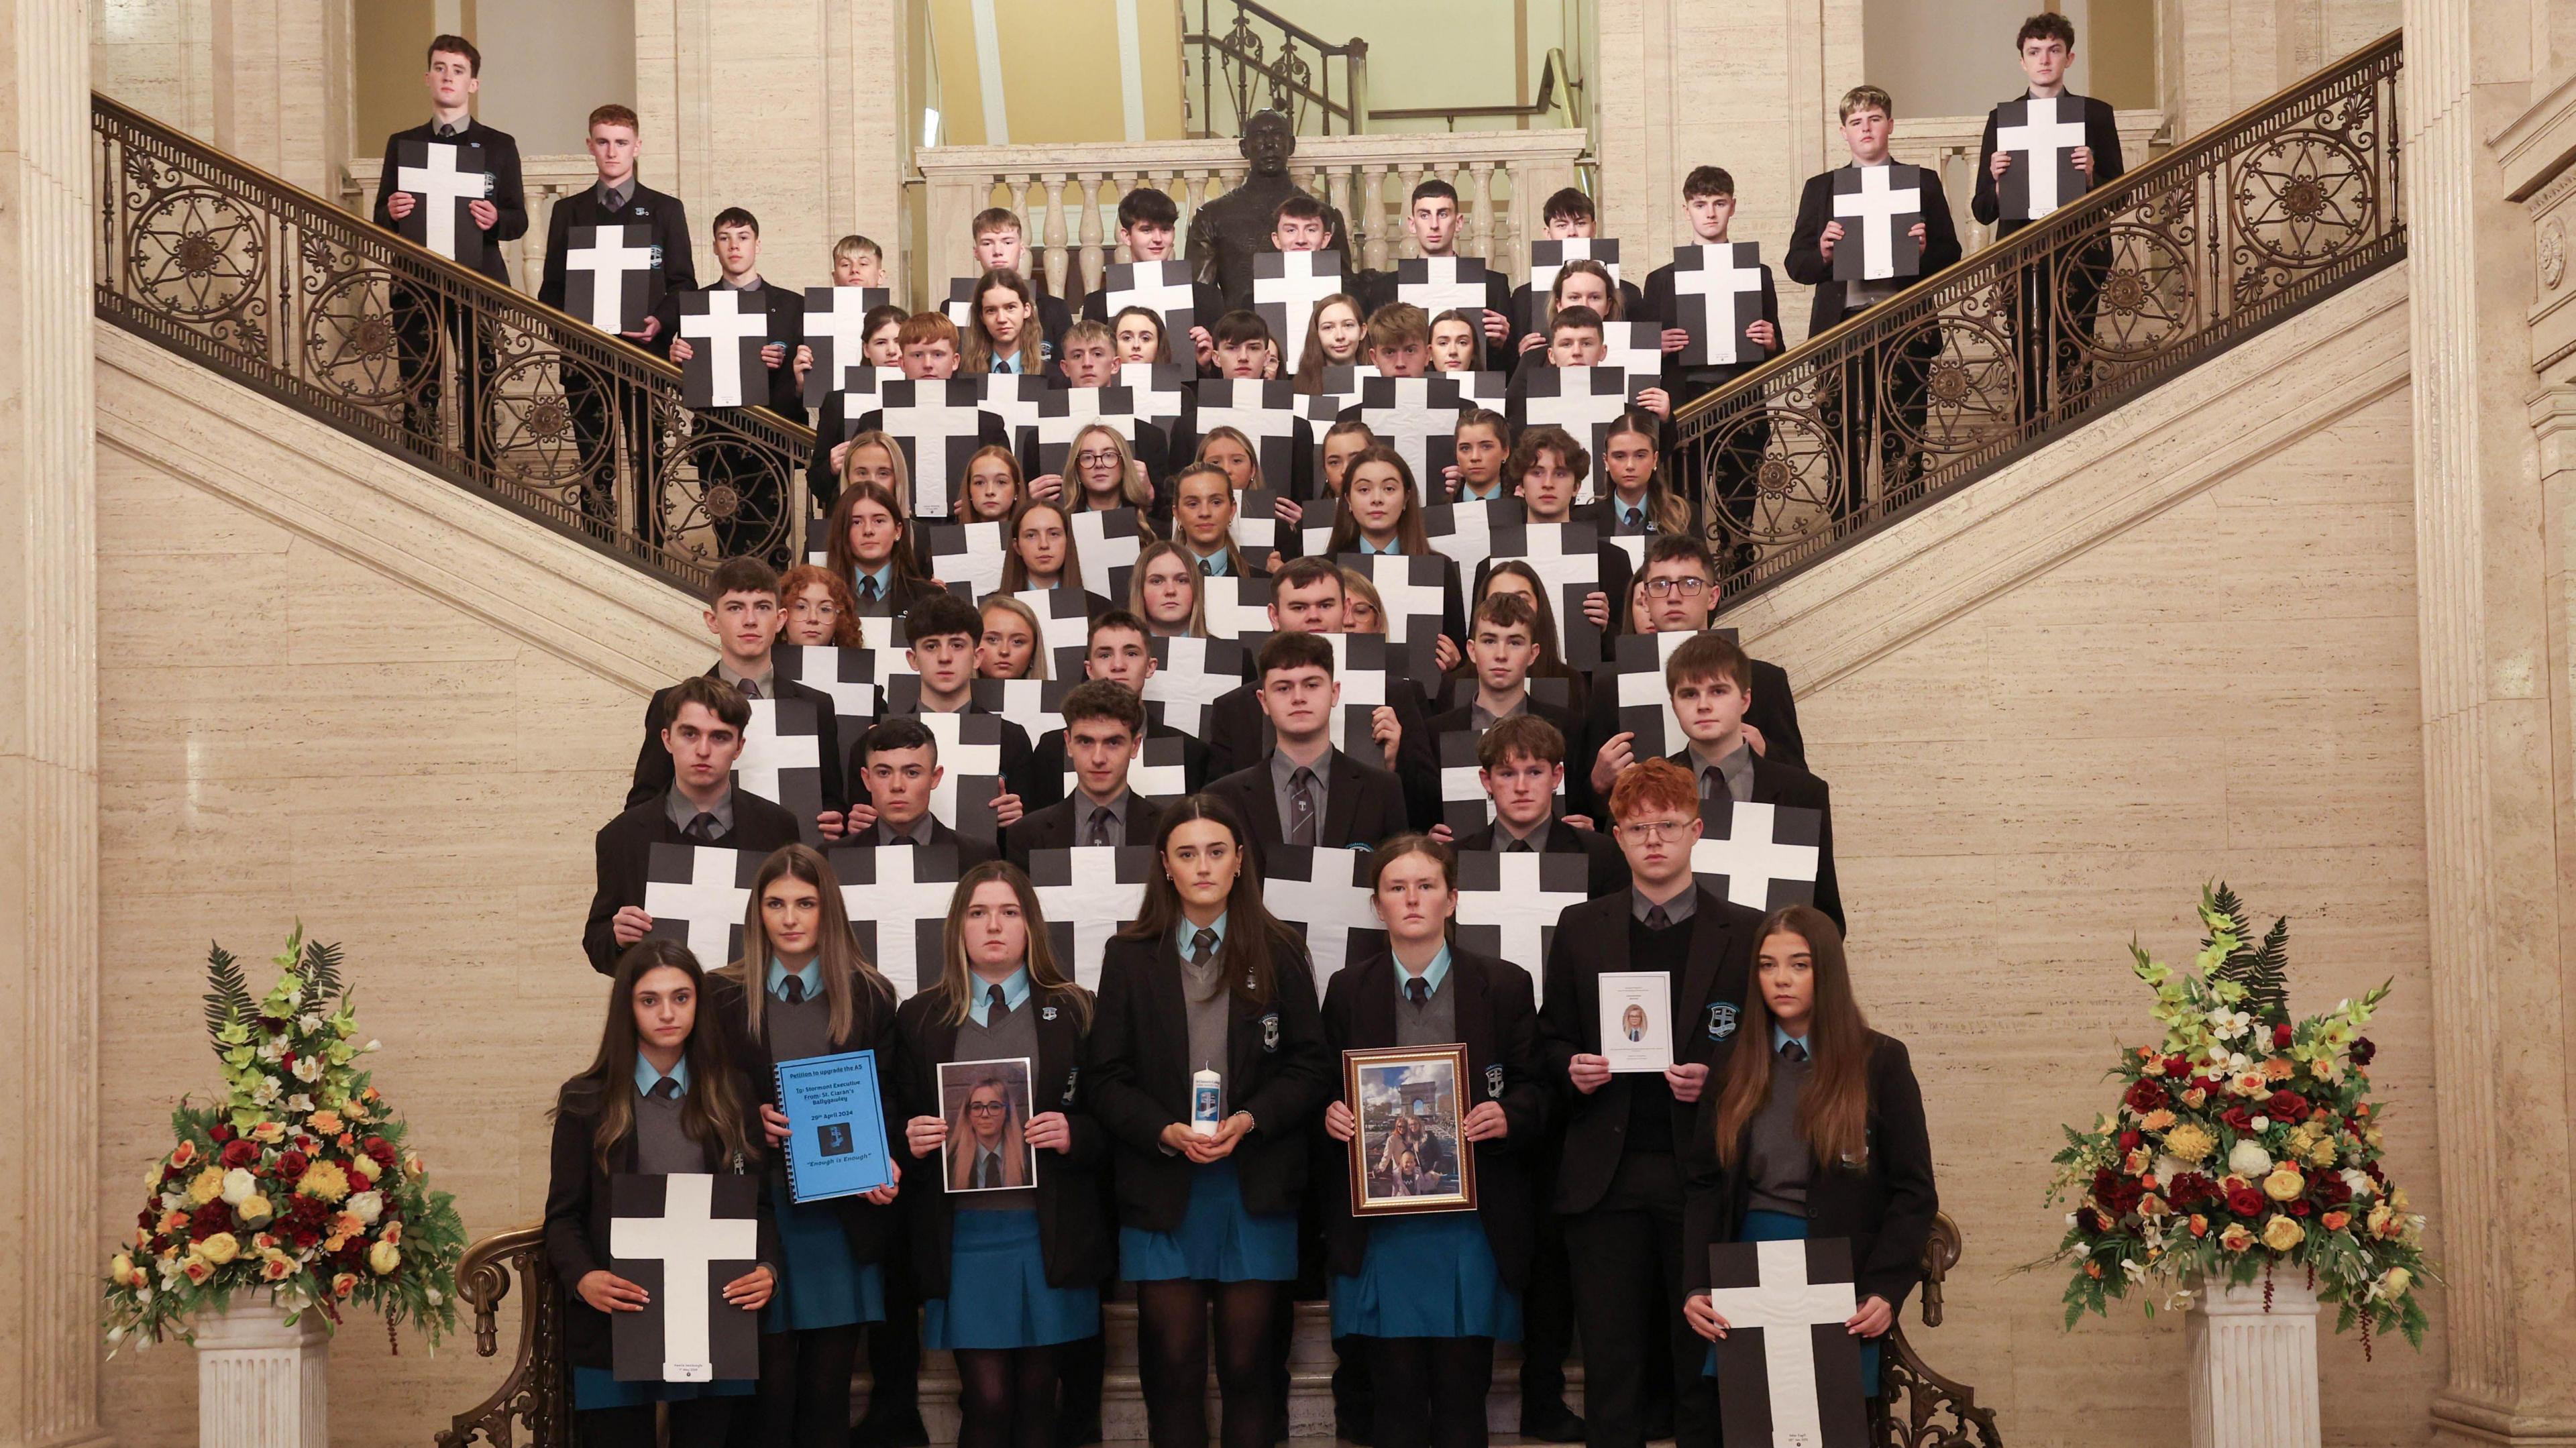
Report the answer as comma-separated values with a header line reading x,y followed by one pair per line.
x,y
270,1132
2157,1120
206,1185
2195,1098
255,1210
384,1257
365,1166
2283,1233
2285,1183
325,1122
344,1284
220,1248
393,1231
323,1181
276,1267
198,1269
2397,1281
2189,1142
2235,1238
119,1267
2323,1153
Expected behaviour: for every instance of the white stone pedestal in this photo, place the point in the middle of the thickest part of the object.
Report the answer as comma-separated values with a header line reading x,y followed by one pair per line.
x,y
261,1383
2254,1373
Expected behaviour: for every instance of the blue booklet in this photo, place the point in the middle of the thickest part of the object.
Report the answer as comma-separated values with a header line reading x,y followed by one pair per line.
x,y
836,1145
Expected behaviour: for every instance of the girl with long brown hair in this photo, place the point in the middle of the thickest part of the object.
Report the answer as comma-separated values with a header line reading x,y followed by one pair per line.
x,y
1382,513
875,457
1207,981
1641,502
660,1096
1105,474
1010,1269
1203,510
1037,549
868,540
1004,334
1812,1126
803,988
1334,336
993,486
1164,590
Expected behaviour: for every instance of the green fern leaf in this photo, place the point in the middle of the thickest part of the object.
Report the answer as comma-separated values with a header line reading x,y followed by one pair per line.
x,y
322,970
229,1000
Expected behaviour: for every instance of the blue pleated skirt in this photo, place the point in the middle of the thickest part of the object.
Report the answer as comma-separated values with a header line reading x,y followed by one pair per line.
x,y
998,1295
1782,1227
1219,1241
1431,1275
821,1283
594,1388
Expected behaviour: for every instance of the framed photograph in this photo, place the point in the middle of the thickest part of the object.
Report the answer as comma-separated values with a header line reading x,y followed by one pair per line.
x,y
986,1106
1410,1153
1637,1019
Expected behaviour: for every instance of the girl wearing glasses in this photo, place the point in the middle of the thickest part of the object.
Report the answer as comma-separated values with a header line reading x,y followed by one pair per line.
x,y
1108,474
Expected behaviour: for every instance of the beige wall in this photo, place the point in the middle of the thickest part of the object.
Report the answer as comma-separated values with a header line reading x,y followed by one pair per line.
x,y
1443,52
1956,58
545,67
1065,71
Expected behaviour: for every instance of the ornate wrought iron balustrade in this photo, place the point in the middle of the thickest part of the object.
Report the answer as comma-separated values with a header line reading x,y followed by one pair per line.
x,y
278,289
2182,258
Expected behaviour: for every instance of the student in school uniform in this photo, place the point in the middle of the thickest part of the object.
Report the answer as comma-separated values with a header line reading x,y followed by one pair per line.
x,y
1482,439
1103,722
1119,651
1502,648
801,989
1811,1126
1109,473
1457,343
1619,1175
994,486
1521,764
930,352
1642,503
1148,226
1425,1297
750,472
1009,646
1569,216
1304,791
818,610
1545,471
1514,575
897,762
701,738
1584,285
940,635
742,612
1002,330
869,542
1001,245
1163,590
1038,551
1010,1267
453,78
1710,682
1433,216
1708,203
661,1096
1382,513
1336,336
1203,508
1206,980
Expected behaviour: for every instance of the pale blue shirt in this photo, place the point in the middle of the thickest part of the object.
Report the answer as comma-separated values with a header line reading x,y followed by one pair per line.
x,y
1190,932
1015,994
1373,550
1432,974
811,977
1780,1037
646,1078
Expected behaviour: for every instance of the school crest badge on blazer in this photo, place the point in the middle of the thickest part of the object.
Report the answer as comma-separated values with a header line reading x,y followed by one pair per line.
x,y
1270,1032
1721,1021
1494,1081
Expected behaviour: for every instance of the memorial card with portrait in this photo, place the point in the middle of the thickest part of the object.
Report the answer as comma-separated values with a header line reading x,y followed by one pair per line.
x,y
1637,1019
1410,1153
986,1106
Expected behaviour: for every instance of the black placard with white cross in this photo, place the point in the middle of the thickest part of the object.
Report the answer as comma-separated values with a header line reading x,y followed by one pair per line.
x,y
681,1238
1255,529
1717,289
1160,287
1635,681
1567,559
1089,893
1413,599
699,895
1286,285
1314,533
1508,904
938,424
1108,541
1549,256
1036,705
1235,607
2041,134
1064,626
1324,895
836,328
853,677
1788,1370
1190,675
970,763
960,306
1439,284
725,334
1339,391
1491,391
1760,856
966,556
1019,399
445,179
897,898
612,275
1879,206
1585,401
1465,531
1418,417
1065,414
1636,348
1162,393
1465,806
782,760
1265,413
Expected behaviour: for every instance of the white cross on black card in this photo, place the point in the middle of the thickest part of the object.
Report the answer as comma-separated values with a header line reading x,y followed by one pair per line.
x,y
1508,905
897,898
1266,413
938,424
445,178
1585,401
1635,679
1549,256
1788,1370
1413,597
2041,134
1567,558
726,332
1418,417
681,1238
1439,284
1879,207
850,676
1255,529
1019,399
1324,894
965,556
836,321
1761,856
1160,287
1108,541
1036,705
782,760
1064,413
1089,893
1286,285
960,306
1190,675
1162,393
1235,607
1717,288
612,275
699,895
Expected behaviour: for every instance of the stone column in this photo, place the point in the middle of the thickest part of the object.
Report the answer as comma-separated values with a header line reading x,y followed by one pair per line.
x,y
49,1230
2498,853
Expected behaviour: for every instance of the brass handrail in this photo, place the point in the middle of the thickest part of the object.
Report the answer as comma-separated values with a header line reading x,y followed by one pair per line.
x,y
288,294
2290,200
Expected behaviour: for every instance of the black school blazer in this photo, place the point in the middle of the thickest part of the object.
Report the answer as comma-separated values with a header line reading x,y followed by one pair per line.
x,y
1884,1205
1073,1232
870,1228
1498,1024
576,1221
1277,1068
1591,939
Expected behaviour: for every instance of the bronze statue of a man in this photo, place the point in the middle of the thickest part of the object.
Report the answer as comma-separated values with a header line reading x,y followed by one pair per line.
x,y
1227,231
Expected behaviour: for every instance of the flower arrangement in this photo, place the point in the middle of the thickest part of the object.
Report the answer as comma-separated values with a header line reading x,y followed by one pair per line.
x,y
298,1183
2244,1141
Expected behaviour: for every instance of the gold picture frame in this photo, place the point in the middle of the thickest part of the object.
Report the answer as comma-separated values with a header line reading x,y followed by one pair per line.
x,y
1409,1151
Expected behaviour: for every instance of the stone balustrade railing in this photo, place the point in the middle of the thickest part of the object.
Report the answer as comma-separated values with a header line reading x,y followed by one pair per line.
x,y
1947,145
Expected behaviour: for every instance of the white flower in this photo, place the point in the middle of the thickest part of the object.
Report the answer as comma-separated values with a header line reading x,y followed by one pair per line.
x,y
2133,1269
2359,1181
115,1335
2262,1123
309,1021
374,1045
267,1091
2250,1160
367,1206
239,1187
2169,1167
308,1068
271,1049
300,1103
436,1297
2227,1025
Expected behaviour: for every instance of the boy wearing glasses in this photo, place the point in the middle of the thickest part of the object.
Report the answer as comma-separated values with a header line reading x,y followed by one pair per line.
x,y
1618,1188
1710,683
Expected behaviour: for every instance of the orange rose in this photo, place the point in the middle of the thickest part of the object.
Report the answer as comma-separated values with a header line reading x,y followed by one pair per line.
x,y
344,1284
198,1269
184,1153
2199,1225
276,1267
2335,1221
393,1232
325,1121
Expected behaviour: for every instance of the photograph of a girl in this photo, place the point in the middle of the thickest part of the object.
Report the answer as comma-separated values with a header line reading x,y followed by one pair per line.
x,y
987,1106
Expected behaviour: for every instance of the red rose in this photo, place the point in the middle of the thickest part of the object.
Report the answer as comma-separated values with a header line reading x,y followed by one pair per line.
x,y
209,1219
2281,1037
305,1238
379,1151
2190,1189
2300,1207
2175,1066
2239,1120
160,1244
239,1153
291,1165
2332,1189
2131,1141
2245,1201
2145,1096
221,1133
2285,1106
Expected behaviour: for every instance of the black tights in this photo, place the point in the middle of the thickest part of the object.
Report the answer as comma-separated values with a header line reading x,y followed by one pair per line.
x,y
1006,1397
1430,1391
1172,1332
695,1423
805,1388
